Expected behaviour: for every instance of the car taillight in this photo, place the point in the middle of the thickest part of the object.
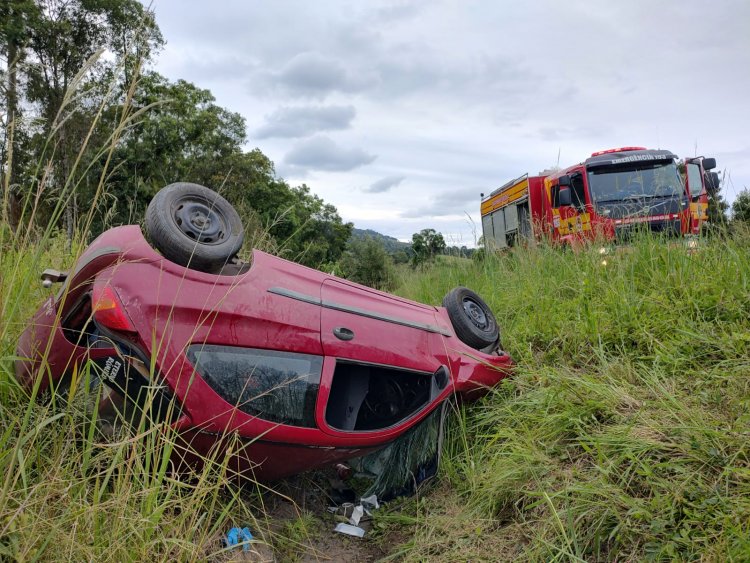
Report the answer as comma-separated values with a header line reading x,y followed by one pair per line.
x,y
108,310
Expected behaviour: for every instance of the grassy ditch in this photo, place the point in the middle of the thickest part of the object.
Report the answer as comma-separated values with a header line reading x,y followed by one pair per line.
x,y
624,434
67,492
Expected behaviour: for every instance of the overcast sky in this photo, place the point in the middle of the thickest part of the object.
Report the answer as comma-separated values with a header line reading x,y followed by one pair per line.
x,y
401,113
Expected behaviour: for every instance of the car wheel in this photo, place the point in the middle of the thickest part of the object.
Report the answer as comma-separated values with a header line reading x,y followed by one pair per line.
x,y
194,226
474,323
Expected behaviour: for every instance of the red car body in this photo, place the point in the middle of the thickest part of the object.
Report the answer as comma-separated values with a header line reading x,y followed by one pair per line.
x,y
186,334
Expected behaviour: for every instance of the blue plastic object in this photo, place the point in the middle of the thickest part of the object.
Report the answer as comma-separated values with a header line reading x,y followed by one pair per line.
x,y
237,535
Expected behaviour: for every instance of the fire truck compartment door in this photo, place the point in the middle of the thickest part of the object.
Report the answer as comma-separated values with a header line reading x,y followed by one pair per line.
x,y
511,217
498,225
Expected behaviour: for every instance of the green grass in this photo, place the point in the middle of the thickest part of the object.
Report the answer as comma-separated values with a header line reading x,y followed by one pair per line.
x,y
624,434
68,492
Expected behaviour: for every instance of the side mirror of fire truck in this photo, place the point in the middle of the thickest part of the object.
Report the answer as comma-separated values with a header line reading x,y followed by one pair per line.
x,y
709,163
564,197
564,181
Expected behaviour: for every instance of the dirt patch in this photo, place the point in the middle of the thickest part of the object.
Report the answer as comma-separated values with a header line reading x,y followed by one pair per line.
x,y
301,528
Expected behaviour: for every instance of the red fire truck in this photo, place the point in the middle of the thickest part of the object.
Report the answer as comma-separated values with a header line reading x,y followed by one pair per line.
x,y
607,196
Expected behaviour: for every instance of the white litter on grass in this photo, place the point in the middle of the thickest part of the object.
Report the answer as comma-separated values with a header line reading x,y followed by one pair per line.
x,y
357,513
370,503
349,530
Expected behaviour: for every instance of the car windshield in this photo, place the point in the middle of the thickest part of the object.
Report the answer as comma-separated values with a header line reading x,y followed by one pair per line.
x,y
636,181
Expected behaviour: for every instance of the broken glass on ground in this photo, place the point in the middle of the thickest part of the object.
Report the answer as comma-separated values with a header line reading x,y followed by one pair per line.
x,y
401,467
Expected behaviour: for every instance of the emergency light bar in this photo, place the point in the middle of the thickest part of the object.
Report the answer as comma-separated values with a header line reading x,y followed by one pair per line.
x,y
618,150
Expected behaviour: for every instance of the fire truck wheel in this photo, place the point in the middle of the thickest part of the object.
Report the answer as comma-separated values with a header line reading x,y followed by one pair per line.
x,y
194,226
474,323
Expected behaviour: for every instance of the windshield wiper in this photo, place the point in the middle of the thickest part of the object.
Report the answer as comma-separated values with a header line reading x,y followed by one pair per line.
x,y
634,197
613,200
642,196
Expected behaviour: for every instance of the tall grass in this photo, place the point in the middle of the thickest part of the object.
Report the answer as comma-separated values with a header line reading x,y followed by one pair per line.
x,y
67,491
624,433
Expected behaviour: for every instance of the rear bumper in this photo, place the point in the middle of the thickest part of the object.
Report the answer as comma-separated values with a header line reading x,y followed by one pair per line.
x,y
44,354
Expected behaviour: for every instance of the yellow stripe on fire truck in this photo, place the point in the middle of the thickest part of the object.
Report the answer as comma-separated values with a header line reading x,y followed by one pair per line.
x,y
506,197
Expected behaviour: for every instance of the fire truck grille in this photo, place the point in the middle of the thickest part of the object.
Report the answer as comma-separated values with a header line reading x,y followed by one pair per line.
x,y
668,228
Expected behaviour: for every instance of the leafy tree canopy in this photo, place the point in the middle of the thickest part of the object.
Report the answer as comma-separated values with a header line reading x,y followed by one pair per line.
x,y
426,244
367,262
741,207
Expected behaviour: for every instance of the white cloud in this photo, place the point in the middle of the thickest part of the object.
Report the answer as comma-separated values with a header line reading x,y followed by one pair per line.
x,y
311,75
322,153
384,184
291,122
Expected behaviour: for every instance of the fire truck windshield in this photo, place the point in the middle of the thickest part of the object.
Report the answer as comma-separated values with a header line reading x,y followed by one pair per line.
x,y
636,181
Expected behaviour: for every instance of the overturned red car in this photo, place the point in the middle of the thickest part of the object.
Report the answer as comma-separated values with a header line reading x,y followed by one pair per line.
x,y
305,368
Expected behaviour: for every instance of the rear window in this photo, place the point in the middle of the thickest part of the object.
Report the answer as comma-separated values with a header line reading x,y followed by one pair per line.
x,y
275,386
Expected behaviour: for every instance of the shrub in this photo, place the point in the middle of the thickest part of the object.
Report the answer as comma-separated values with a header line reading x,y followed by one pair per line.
x,y
366,261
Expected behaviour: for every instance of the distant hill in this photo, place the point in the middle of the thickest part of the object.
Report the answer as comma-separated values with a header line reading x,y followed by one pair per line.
x,y
391,244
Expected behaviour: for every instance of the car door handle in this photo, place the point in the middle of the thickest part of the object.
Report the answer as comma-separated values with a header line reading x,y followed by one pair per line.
x,y
343,333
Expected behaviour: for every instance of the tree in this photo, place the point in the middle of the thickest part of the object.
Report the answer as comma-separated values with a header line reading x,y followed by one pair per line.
x,y
741,207
184,136
64,36
717,209
400,257
426,244
366,261
14,18
322,235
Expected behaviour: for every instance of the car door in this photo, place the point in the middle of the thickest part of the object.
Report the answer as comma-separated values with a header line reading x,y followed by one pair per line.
x,y
383,368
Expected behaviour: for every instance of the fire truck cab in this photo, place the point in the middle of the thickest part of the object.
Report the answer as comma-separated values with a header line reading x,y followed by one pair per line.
x,y
607,196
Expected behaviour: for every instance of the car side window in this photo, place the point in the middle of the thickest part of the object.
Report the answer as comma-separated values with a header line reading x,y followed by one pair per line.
x,y
367,397
275,386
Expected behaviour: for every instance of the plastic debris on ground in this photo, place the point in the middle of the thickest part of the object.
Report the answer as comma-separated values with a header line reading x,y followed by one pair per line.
x,y
235,536
349,530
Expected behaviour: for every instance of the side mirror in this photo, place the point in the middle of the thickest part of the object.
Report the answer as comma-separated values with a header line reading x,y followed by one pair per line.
x,y
564,180
564,197
709,163
712,182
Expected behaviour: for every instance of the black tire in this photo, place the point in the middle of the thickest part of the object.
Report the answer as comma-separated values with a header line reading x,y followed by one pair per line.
x,y
194,226
474,323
